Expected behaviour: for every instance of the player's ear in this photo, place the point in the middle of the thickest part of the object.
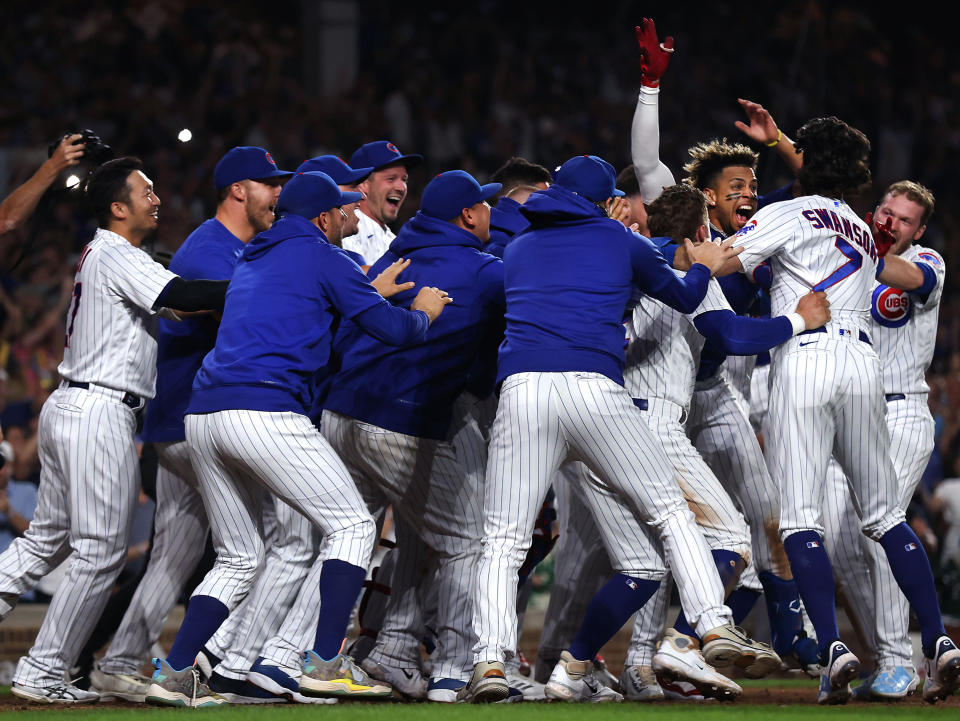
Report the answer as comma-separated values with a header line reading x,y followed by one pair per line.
x,y
919,233
703,234
119,210
322,221
711,197
239,191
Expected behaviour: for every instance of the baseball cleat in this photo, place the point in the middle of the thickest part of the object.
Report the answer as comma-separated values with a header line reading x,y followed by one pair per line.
x,y
339,677
125,686
242,692
171,687
281,681
681,691
892,683
678,658
408,681
445,690
639,683
730,646
530,689
943,671
840,667
573,680
60,693
806,655
515,695
603,675
205,663
488,685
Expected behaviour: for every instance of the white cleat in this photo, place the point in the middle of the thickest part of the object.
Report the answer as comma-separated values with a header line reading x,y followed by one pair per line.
x,y
729,645
678,658
639,683
408,681
943,671
531,690
125,686
59,693
841,668
574,681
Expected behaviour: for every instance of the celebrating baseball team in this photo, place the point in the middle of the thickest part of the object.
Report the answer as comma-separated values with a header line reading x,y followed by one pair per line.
x,y
571,371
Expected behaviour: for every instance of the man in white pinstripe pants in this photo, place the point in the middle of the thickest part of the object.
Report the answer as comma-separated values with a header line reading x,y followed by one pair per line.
x,y
826,396
559,401
89,469
904,329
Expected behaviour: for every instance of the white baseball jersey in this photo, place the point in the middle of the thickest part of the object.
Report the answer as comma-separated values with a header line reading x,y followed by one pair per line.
x,y
814,243
664,348
111,336
905,327
371,239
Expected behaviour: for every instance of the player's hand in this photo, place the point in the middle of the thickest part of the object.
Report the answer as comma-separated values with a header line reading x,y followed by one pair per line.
x,y
431,301
619,209
386,283
654,55
712,255
67,153
761,129
883,236
814,308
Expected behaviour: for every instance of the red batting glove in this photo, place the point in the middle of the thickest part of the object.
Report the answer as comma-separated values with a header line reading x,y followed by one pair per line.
x,y
883,236
654,55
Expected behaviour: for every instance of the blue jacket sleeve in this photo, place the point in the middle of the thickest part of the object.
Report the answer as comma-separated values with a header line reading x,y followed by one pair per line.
x,y
654,276
393,325
740,335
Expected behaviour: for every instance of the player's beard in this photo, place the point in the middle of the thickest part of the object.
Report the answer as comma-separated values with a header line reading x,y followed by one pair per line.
x,y
262,220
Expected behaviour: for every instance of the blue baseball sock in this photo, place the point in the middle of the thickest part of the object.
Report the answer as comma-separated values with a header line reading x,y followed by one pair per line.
x,y
783,610
729,565
741,602
814,576
610,608
911,568
340,584
203,618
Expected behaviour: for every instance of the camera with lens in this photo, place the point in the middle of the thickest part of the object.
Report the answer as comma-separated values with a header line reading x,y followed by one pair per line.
x,y
95,151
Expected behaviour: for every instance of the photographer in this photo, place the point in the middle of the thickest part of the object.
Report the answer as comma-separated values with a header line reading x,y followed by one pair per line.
x,y
18,206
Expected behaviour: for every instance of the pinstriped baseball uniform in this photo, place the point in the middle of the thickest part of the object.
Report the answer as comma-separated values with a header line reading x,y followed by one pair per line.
x,y
371,239
89,469
904,330
826,392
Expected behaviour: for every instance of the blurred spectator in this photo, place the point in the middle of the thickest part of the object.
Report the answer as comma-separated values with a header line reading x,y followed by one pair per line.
x,y
18,499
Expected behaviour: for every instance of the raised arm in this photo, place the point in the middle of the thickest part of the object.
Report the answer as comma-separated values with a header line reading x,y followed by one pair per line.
x,y
763,129
652,174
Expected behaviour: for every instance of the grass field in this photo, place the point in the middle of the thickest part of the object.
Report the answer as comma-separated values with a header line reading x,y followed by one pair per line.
x,y
784,700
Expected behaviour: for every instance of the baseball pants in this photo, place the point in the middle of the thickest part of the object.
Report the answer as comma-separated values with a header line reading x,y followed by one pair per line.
x,y
543,420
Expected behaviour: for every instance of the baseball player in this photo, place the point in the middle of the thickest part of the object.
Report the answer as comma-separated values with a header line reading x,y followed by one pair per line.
x,y
826,395
562,396
247,428
384,191
247,183
89,467
903,328
717,425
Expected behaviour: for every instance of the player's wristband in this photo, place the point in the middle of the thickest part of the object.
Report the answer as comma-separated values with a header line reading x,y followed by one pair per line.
x,y
772,143
797,321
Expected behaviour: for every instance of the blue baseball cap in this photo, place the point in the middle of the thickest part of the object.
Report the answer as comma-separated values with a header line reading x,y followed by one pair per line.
x,y
380,154
246,162
450,192
336,168
587,175
311,193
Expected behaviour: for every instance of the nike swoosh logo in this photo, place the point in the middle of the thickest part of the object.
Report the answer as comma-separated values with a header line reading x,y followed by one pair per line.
x,y
407,673
807,343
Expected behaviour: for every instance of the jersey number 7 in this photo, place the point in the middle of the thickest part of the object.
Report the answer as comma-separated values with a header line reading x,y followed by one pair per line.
x,y
845,270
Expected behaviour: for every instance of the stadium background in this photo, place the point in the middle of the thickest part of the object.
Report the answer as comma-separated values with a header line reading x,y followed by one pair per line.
x,y
466,86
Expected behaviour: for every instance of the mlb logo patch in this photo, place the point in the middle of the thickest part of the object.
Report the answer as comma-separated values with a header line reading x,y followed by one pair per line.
x,y
631,584
813,544
910,547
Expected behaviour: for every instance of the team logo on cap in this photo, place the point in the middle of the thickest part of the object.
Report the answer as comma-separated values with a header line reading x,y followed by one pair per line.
x,y
393,148
270,159
891,307
931,258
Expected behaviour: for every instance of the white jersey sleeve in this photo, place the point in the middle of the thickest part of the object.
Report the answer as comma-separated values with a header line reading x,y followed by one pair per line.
x,y
134,275
713,300
652,175
904,327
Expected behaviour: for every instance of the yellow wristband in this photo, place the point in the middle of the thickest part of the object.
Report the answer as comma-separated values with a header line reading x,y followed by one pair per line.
x,y
774,142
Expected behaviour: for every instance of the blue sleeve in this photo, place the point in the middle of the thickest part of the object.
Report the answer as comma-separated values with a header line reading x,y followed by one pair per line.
x,y
929,281
740,335
879,268
775,196
763,275
654,276
345,284
209,261
392,325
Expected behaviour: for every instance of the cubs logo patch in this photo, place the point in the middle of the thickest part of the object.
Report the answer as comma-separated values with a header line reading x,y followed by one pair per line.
x,y
270,159
932,259
393,148
891,307
751,225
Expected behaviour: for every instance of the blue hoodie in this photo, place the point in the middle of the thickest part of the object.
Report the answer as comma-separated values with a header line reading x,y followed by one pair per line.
x,y
411,390
287,296
568,279
506,221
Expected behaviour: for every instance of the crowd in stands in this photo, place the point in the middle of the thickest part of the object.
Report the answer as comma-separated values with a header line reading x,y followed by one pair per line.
x,y
466,86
